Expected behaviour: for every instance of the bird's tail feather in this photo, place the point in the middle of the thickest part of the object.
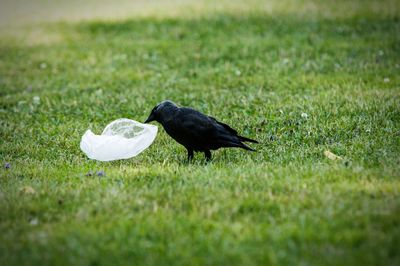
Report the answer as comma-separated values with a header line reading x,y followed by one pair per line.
x,y
247,139
236,144
244,146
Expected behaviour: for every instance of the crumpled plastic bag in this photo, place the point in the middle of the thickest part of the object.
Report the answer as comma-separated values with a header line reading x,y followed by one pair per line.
x,y
121,139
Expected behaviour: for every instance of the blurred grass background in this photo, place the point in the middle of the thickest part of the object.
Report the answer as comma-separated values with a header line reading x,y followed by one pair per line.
x,y
26,12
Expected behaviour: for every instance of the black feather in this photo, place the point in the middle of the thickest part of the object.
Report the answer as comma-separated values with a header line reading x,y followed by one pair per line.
x,y
196,131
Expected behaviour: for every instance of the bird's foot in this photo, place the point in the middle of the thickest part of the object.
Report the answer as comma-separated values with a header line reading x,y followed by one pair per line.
x,y
208,156
190,156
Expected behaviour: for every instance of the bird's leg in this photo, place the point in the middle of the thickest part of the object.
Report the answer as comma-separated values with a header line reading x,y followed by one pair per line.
x,y
190,155
207,153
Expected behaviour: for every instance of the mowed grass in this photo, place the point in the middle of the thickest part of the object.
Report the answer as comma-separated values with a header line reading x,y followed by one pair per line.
x,y
300,84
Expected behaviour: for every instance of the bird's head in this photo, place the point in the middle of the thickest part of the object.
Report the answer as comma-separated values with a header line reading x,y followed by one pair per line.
x,y
162,112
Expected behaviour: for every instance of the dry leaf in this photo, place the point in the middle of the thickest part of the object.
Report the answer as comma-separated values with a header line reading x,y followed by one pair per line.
x,y
27,190
330,155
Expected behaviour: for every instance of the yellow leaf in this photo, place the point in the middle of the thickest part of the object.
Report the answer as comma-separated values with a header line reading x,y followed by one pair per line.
x,y
27,190
330,155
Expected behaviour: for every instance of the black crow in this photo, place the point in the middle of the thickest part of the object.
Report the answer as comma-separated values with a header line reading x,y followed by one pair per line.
x,y
196,131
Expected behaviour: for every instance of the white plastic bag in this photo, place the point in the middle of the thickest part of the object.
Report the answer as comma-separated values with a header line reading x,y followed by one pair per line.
x,y
121,139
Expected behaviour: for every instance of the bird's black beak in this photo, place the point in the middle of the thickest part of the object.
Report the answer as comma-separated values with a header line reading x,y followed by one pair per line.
x,y
149,119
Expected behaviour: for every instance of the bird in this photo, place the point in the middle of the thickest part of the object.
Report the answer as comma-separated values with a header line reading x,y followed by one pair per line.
x,y
196,131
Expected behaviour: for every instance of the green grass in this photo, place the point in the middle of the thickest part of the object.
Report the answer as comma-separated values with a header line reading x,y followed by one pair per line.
x,y
286,204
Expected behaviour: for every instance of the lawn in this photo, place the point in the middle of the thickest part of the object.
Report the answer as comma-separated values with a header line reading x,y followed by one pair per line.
x,y
302,77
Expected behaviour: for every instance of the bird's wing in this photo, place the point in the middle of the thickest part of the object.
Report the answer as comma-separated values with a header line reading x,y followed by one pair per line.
x,y
194,129
196,123
201,132
233,131
225,126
